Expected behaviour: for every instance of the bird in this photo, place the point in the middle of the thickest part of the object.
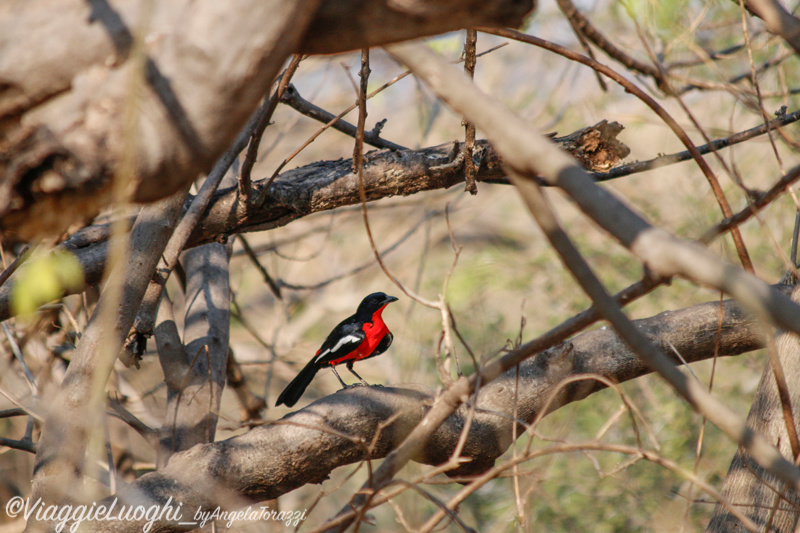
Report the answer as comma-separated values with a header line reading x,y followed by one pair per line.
x,y
359,336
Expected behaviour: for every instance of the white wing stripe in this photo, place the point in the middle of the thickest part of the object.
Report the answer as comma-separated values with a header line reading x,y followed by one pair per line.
x,y
344,340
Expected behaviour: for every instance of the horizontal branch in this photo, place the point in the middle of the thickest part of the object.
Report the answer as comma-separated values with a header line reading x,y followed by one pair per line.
x,y
305,446
782,119
326,185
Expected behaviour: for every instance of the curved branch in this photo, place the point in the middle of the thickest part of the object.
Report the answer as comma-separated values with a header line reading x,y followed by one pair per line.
x,y
582,23
305,446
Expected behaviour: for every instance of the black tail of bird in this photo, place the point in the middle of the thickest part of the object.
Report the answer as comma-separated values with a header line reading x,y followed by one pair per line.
x,y
297,387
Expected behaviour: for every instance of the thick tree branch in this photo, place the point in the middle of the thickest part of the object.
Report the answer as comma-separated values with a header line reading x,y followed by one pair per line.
x,y
342,25
206,66
63,108
206,328
305,446
779,20
327,185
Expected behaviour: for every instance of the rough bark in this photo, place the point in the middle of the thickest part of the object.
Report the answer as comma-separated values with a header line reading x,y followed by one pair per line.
x,y
326,185
305,446
759,494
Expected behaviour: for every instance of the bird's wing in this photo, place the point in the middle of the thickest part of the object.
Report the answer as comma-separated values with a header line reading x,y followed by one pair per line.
x,y
344,338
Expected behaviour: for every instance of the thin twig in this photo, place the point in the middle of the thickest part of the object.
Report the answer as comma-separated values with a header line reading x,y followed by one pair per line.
x,y
717,144
264,116
582,24
744,256
569,447
762,201
273,286
251,405
24,445
118,410
756,85
21,258
293,99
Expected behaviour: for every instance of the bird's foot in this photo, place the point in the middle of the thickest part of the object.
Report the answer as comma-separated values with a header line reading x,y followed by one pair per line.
x,y
354,385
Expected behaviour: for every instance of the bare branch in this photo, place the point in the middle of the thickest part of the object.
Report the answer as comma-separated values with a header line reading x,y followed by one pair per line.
x,y
779,20
336,29
679,132
640,166
292,98
78,139
306,445
583,25
469,127
531,155
264,116
250,403
327,185
79,402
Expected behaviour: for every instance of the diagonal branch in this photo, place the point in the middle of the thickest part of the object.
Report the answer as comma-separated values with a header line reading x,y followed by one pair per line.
x,y
679,132
532,155
583,25
779,20
292,98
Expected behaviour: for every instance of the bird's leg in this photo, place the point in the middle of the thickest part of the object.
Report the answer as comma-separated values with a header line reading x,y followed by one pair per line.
x,y
344,386
350,368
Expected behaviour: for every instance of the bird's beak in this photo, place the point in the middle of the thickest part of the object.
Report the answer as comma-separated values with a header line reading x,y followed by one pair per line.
x,y
389,299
